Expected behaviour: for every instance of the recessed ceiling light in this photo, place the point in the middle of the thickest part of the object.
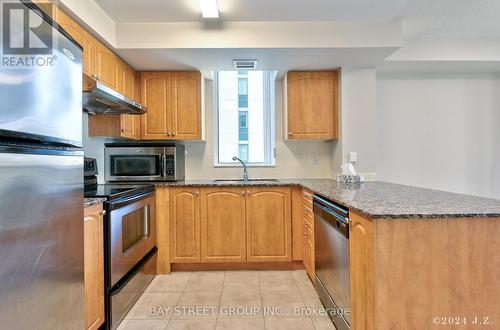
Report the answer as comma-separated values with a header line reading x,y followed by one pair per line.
x,y
209,8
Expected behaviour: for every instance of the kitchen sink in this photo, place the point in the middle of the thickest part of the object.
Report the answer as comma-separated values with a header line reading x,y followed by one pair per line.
x,y
246,181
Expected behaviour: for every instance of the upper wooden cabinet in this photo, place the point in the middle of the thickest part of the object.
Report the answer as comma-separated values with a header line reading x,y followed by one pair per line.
x,y
85,39
94,267
156,91
184,224
268,220
186,105
311,103
223,224
49,8
174,105
126,81
107,66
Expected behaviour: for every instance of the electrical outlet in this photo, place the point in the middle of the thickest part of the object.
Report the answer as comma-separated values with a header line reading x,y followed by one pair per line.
x,y
315,159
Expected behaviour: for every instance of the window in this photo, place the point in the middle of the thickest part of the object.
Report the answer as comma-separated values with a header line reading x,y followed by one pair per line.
x,y
244,113
243,129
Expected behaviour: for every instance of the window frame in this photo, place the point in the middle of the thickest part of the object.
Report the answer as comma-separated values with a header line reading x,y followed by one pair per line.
x,y
269,117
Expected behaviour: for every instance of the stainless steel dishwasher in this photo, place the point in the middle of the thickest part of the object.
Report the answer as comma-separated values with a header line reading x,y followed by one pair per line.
x,y
331,230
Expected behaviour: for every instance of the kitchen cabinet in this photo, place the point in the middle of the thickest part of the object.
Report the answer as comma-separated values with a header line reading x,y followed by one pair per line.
x,y
174,105
308,229
186,105
230,224
156,95
223,224
94,266
268,224
49,8
184,224
163,230
311,103
130,125
125,126
107,66
85,39
126,81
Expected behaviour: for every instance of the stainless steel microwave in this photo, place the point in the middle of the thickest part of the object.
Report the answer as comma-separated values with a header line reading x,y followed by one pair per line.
x,y
134,162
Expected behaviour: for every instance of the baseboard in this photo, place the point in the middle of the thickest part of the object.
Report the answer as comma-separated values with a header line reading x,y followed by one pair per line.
x,y
289,265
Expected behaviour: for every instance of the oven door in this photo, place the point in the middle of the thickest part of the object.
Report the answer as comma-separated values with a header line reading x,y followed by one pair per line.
x,y
133,233
135,164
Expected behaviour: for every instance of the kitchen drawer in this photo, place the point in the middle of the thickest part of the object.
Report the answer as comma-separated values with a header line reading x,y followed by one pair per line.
x,y
307,214
307,198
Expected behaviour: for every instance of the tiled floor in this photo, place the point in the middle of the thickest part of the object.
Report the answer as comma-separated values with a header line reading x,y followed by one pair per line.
x,y
229,300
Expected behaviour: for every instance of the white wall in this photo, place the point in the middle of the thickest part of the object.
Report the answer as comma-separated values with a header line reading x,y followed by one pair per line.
x,y
293,159
358,120
440,131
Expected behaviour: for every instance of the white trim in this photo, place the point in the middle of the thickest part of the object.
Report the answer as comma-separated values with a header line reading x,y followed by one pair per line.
x,y
269,117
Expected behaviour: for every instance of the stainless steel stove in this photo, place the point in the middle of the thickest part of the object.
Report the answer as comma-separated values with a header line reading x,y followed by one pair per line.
x,y
129,241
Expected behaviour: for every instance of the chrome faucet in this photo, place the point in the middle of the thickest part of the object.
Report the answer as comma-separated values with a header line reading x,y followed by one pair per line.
x,y
245,172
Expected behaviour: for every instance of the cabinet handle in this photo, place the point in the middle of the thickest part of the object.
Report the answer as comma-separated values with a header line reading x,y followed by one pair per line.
x,y
243,193
103,212
197,194
290,133
168,134
173,134
124,130
248,193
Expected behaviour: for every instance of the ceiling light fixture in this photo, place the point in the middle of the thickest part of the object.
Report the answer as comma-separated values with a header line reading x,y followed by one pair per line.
x,y
209,8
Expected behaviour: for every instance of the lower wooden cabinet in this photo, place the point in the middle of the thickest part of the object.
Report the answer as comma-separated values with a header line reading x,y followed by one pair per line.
x,y
268,216
223,224
308,229
184,225
230,224
94,266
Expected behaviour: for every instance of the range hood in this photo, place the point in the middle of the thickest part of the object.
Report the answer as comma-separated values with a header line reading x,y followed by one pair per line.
x,y
99,99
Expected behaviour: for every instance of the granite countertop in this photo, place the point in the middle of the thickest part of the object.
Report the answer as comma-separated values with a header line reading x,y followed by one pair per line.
x,y
379,200
87,202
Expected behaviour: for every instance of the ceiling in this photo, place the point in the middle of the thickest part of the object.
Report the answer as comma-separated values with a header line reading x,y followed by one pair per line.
x,y
253,10
451,18
279,59
420,20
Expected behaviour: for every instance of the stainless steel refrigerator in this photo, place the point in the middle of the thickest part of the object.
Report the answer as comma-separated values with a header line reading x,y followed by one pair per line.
x,y
41,180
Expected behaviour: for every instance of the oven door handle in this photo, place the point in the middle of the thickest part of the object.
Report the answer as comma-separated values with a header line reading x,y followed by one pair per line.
x,y
122,202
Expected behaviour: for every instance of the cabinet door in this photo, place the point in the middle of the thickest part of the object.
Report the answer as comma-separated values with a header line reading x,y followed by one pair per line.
x,y
156,96
186,105
94,267
85,39
311,105
223,225
309,250
126,81
127,126
49,7
106,66
127,87
268,211
185,224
